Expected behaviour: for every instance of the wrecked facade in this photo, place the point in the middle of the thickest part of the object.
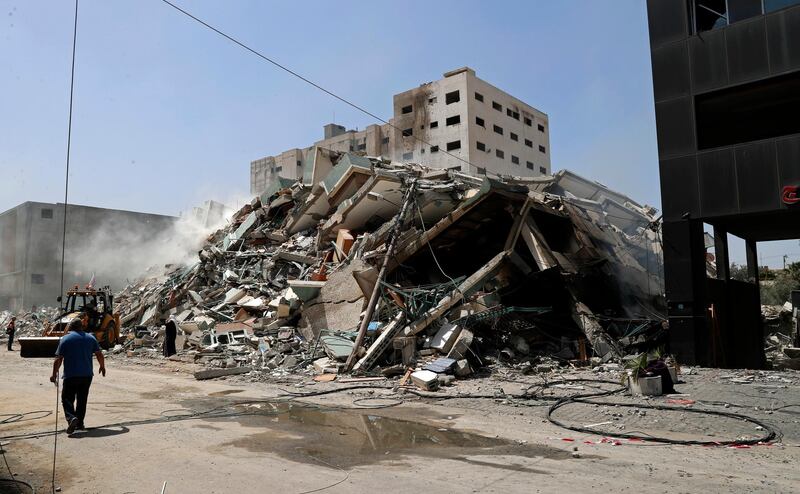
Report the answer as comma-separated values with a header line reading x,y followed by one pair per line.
x,y
449,123
386,266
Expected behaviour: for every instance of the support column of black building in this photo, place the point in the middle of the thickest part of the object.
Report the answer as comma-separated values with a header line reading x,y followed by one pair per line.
x,y
687,298
723,261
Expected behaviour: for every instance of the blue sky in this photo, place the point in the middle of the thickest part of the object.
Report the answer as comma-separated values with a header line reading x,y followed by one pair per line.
x,y
168,114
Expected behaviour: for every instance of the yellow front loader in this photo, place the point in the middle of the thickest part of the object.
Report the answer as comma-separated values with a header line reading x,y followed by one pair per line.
x,y
97,304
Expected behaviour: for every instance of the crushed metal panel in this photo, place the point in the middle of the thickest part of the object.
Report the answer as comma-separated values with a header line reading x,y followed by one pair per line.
x,y
317,164
276,184
349,174
337,347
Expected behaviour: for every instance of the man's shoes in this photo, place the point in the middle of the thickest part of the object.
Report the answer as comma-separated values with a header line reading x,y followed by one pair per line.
x,y
80,427
73,424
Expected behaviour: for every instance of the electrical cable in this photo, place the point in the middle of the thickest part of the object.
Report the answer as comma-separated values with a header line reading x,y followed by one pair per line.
x,y
66,201
583,398
308,81
17,483
347,475
21,417
10,473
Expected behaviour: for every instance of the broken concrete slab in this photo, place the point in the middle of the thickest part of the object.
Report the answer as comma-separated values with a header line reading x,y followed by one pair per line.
x,y
214,373
306,289
462,368
444,339
462,345
425,380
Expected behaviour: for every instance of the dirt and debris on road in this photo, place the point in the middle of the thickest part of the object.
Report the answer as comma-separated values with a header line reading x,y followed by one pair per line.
x,y
151,422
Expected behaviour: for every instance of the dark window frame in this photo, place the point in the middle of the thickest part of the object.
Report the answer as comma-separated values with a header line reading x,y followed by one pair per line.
x,y
453,145
452,97
452,120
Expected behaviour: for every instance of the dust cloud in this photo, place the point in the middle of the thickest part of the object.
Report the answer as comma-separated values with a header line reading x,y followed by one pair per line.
x,y
121,249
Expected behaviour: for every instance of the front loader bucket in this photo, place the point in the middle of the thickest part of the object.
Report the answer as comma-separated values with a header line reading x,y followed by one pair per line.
x,y
38,346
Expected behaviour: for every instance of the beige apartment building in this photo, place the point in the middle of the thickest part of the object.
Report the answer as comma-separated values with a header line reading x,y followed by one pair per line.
x,y
459,121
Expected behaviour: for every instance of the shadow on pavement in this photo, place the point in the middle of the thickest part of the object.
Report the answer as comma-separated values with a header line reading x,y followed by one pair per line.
x,y
99,432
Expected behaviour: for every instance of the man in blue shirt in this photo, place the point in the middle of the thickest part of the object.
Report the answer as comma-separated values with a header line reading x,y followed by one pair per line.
x,y
75,350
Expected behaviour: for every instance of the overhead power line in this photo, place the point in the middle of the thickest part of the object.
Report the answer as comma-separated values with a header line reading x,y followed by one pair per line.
x,y
306,80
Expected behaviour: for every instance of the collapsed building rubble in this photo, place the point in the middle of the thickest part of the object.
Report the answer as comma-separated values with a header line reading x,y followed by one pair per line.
x,y
28,323
783,335
374,266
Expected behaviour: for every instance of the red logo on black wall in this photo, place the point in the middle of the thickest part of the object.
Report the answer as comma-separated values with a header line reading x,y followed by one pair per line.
x,y
791,194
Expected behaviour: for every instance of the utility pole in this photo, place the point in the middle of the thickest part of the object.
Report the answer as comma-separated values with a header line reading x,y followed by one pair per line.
x,y
373,300
784,261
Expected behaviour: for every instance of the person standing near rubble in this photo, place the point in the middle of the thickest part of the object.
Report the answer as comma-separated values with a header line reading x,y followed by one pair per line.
x,y
75,350
170,334
11,329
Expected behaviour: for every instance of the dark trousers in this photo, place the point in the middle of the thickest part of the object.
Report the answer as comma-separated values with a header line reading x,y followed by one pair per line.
x,y
10,340
74,395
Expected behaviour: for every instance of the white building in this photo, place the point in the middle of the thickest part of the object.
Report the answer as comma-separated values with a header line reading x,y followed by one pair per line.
x,y
459,121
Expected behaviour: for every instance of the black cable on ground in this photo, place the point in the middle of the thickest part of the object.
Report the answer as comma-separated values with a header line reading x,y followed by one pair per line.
x,y
8,467
13,418
17,483
770,432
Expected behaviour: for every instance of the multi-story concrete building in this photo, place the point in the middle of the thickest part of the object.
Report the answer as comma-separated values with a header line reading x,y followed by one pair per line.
x,y
100,242
726,80
459,122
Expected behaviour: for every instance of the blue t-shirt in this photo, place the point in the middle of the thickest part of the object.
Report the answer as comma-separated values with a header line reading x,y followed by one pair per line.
x,y
77,348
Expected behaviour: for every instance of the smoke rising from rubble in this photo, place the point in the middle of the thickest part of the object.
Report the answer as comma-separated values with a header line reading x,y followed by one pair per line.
x,y
119,250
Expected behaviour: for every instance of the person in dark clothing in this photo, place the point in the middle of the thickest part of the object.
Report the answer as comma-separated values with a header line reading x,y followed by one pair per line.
x,y
75,351
170,335
10,330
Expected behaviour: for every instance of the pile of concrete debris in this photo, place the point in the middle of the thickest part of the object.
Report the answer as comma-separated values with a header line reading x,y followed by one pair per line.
x,y
783,337
369,266
28,323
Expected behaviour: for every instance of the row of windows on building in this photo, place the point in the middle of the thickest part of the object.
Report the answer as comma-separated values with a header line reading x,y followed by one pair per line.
x,y
456,119
455,145
528,164
455,97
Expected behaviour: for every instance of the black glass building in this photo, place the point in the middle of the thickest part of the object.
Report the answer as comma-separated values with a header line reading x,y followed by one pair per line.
x,y
726,80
